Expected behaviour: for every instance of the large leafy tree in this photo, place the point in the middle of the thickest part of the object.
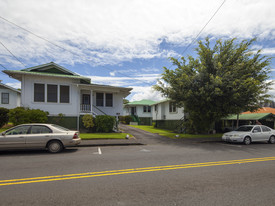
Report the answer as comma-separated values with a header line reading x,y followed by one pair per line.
x,y
224,79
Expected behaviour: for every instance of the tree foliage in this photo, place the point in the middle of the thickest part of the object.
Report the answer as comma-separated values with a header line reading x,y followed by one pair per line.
x,y
226,79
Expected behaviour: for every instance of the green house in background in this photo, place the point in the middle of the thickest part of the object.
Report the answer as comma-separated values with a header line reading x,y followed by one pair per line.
x,y
140,111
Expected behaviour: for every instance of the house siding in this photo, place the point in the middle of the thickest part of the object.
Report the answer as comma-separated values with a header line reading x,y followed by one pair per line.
x,y
14,98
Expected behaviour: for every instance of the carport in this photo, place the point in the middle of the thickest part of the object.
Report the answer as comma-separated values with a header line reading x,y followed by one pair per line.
x,y
267,119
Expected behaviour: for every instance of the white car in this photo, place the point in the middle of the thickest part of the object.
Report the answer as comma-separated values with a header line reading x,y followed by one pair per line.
x,y
52,137
250,133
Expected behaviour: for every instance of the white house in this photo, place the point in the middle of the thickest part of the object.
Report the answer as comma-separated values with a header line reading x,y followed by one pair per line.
x,y
9,97
166,115
141,110
51,87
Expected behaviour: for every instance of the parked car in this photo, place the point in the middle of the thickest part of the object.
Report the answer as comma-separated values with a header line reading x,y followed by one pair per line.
x,y
52,137
250,133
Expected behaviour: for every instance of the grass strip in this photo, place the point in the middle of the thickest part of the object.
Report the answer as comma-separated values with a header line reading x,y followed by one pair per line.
x,y
173,135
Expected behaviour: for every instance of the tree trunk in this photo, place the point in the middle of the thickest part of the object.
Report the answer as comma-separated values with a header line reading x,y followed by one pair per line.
x,y
237,120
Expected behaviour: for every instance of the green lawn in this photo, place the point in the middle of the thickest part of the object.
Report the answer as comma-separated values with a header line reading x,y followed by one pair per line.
x,y
90,136
171,134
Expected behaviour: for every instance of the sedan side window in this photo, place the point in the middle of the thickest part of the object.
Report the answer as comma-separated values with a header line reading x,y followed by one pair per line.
x,y
265,129
40,130
257,129
18,130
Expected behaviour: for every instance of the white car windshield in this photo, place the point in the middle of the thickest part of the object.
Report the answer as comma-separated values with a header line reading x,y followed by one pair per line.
x,y
244,129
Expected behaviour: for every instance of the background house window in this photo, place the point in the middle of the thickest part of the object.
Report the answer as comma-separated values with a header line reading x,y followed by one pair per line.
x,y
146,108
64,94
156,108
172,107
99,99
109,100
5,98
51,93
39,92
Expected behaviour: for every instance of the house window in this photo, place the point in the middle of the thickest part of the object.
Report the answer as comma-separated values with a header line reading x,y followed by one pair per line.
x,y
64,94
146,108
172,107
39,92
51,93
99,99
156,108
109,100
5,98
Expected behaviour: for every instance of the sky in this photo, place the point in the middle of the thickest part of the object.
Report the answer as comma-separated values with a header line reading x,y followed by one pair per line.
x,y
125,42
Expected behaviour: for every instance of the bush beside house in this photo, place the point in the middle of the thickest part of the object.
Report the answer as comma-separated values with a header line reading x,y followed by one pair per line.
x,y
4,118
21,115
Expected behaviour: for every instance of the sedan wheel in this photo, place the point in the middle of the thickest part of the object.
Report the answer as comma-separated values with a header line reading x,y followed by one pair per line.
x,y
55,146
247,140
272,140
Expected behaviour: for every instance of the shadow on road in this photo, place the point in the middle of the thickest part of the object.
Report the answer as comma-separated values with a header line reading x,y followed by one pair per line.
x,y
32,152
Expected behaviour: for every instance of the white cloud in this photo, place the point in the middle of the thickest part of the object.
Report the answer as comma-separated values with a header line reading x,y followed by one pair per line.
x,y
140,93
109,32
139,79
16,85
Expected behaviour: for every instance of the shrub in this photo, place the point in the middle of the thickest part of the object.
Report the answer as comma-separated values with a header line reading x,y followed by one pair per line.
x,y
88,121
4,118
104,123
128,119
21,115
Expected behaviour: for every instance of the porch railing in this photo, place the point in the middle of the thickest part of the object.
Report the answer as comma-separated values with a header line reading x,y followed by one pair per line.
x,y
85,108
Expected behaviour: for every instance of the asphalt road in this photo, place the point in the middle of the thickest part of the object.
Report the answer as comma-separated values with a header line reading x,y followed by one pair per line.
x,y
162,172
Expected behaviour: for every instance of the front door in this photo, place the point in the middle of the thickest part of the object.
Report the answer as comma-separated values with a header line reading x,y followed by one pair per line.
x,y
86,102
133,110
86,99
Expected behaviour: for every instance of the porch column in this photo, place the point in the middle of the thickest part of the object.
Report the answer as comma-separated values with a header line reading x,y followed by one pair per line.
x,y
91,100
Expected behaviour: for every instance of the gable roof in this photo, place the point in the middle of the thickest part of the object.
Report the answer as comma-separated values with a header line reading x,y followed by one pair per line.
x,y
142,102
11,88
50,69
262,110
162,101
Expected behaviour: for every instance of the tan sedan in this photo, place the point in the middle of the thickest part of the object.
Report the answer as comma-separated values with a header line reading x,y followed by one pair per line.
x,y
52,137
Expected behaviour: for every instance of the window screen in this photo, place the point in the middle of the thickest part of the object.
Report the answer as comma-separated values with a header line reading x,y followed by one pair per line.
x,y
64,94
99,99
51,93
109,100
39,92
5,98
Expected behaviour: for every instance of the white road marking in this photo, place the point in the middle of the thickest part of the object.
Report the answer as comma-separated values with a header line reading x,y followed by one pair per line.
x,y
98,151
145,150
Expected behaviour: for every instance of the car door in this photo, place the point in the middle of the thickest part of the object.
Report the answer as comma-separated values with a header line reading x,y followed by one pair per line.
x,y
15,137
266,133
256,134
39,136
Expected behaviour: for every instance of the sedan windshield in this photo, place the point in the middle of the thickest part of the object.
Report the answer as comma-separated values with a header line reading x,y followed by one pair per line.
x,y
244,129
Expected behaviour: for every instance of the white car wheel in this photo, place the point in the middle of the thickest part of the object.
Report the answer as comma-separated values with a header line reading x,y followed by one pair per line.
x,y
272,140
247,140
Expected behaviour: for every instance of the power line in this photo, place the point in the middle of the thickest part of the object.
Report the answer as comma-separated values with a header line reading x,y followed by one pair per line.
x,y
74,53
3,66
12,54
40,37
203,27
